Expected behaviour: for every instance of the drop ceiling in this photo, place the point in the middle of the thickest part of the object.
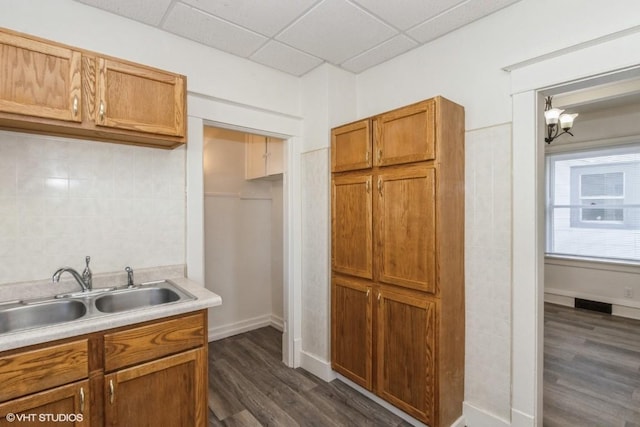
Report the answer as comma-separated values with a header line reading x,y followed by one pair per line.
x,y
295,36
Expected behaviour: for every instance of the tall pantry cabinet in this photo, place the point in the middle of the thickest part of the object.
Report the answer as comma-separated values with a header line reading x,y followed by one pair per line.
x,y
397,257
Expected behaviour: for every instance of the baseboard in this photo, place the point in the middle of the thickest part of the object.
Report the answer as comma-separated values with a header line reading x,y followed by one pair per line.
x,y
240,327
520,419
567,298
318,367
478,417
386,405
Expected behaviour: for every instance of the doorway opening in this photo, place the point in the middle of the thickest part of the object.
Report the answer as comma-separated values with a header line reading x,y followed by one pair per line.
x,y
591,259
244,229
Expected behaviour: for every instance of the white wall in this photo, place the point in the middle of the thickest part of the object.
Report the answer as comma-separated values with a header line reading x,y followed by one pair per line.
x,y
238,238
62,199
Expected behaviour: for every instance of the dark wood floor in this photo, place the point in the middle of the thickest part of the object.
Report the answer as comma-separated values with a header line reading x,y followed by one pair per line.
x,y
591,369
250,386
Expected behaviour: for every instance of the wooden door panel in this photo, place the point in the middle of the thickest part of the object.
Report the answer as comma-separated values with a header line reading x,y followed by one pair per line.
x,y
351,330
406,352
139,98
352,222
46,409
351,147
39,79
167,391
406,228
406,135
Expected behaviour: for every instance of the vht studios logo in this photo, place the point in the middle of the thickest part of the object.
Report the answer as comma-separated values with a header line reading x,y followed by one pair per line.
x,y
51,418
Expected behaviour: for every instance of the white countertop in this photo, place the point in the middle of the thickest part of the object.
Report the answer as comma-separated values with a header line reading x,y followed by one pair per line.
x,y
204,299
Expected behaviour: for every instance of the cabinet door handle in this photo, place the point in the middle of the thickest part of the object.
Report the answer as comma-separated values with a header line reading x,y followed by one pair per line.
x,y
368,186
111,391
81,399
380,186
75,105
379,154
368,292
366,157
379,296
102,110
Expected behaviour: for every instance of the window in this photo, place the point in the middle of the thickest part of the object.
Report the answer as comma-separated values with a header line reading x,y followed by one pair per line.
x,y
593,203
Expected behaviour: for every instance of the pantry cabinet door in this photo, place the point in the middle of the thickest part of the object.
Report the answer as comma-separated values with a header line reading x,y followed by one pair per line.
x,y
406,231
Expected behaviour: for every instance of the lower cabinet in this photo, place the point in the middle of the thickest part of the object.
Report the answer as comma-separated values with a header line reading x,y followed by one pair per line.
x,y
61,406
384,339
149,374
163,392
352,330
405,351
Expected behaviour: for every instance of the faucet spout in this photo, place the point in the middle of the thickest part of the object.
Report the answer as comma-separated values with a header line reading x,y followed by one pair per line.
x,y
74,273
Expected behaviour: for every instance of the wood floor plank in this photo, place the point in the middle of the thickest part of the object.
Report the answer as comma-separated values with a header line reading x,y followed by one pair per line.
x,y
250,384
591,369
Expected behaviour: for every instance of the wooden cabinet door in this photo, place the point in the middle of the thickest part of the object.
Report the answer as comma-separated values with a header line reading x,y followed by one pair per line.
x,y
255,156
351,147
39,79
405,135
166,392
46,408
405,216
138,98
406,351
351,330
275,156
351,225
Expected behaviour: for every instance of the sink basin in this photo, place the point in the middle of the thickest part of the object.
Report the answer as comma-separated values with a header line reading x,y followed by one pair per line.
x,y
41,314
130,299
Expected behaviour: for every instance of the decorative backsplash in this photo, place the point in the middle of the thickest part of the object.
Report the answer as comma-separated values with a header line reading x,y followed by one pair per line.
x,y
62,199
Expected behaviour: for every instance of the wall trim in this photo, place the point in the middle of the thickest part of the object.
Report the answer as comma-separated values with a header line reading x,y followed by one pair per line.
x,y
317,366
520,419
478,417
561,297
386,405
219,332
585,295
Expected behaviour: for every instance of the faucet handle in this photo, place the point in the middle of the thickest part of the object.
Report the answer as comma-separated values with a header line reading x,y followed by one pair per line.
x,y
87,276
129,271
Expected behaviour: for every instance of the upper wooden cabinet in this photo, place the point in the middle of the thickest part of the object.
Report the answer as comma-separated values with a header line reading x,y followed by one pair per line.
x,y
39,79
351,146
47,87
139,98
405,135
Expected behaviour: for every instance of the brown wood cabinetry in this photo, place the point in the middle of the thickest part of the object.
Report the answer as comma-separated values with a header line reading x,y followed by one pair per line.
x,y
398,258
47,87
147,374
352,232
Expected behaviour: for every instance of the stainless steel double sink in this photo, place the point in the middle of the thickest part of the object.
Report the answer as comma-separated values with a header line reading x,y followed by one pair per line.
x,y
28,314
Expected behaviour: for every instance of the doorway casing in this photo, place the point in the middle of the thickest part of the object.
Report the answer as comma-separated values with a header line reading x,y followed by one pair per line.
x,y
589,64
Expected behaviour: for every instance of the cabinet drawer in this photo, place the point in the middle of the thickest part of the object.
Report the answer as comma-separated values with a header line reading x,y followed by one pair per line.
x,y
150,342
41,369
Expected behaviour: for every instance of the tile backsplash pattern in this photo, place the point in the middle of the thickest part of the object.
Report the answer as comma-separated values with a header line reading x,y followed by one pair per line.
x,y
62,199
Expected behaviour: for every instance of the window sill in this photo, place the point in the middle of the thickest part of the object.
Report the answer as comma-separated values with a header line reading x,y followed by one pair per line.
x,y
592,263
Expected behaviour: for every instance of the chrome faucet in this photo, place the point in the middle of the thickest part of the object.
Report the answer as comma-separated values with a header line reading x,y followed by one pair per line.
x,y
129,271
85,280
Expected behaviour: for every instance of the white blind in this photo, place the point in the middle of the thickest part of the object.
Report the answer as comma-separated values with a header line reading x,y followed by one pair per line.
x,y
593,203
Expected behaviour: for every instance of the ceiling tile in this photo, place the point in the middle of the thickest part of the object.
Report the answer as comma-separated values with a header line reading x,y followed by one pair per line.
x,y
147,11
409,12
264,17
464,14
379,54
196,25
284,58
336,30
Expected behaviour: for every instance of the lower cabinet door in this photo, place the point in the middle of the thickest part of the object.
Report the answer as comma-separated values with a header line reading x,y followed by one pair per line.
x,y
405,351
351,330
166,392
67,405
